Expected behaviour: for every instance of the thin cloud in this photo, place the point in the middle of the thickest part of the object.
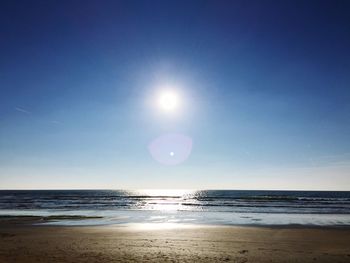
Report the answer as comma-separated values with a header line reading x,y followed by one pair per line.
x,y
56,122
22,110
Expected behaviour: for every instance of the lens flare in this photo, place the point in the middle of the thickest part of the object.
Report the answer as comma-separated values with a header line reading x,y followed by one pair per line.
x,y
171,149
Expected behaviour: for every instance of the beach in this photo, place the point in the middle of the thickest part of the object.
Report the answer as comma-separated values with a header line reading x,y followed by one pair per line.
x,y
22,240
174,226
174,131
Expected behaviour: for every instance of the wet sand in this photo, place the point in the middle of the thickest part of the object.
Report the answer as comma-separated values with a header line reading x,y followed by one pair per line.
x,y
22,242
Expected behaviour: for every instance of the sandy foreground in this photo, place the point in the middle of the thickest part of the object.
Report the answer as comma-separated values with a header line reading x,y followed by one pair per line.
x,y
171,243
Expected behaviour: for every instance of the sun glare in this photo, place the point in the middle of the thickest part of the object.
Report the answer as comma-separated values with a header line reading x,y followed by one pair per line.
x,y
168,101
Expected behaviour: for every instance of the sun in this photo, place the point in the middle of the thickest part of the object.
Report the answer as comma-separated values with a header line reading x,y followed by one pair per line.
x,y
168,101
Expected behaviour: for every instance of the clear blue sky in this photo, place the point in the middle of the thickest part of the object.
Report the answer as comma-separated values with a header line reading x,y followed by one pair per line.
x,y
265,91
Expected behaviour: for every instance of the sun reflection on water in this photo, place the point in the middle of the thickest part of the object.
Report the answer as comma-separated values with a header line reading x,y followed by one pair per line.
x,y
165,199
166,192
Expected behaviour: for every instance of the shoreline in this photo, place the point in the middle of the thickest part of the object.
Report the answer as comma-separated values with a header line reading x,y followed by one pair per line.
x,y
56,221
111,217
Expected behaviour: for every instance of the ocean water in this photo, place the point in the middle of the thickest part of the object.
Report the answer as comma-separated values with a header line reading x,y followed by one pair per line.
x,y
224,207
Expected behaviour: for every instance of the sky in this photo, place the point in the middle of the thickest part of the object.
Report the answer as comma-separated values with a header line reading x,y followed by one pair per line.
x,y
262,90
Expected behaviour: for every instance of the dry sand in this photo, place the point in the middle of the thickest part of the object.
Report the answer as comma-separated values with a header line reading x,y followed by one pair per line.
x,y
25,243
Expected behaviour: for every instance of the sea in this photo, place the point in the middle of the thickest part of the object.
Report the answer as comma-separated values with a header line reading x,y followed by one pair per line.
x,y
212,207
